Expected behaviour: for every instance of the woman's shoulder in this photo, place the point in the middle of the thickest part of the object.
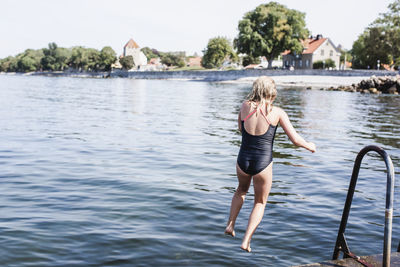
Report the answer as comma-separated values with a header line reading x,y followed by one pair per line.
x,y
278,110
246,105
280,113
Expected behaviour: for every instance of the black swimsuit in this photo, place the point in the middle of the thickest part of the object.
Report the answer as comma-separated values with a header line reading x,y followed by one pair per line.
x,y
255,152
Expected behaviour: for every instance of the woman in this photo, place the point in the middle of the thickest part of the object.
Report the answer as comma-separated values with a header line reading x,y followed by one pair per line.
x,y
258,120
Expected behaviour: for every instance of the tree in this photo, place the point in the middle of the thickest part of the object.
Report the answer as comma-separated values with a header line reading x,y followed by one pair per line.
x,y
79,59
269,30
127,62
62,56
345,55
390,22
107,58
171,59
93,57
9,64
380,41
85,59
48,61
26,64
29,60
150,52
247,60
55,58
329,63
218,49
370,47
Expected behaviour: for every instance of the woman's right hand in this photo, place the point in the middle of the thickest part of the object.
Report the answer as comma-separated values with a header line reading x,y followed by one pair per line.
x,y
311,147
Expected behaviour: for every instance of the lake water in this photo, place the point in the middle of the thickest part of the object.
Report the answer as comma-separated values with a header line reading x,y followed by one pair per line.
x,y
120,172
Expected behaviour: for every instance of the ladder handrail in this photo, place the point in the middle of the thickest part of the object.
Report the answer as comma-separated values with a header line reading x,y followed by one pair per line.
x,y
341,244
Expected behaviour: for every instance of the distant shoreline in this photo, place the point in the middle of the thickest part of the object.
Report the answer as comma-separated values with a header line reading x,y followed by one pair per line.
x,y
297,78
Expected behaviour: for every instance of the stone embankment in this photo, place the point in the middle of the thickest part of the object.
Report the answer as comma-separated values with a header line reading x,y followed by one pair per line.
x,y
229,75
373,85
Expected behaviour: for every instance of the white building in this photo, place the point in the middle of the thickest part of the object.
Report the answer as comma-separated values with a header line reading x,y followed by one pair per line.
x,y
132,49
314,49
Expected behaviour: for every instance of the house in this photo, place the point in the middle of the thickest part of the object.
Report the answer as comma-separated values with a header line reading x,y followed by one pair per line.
x,y
386,67
116,64
154,64
194,62
132,49
155,61
314,49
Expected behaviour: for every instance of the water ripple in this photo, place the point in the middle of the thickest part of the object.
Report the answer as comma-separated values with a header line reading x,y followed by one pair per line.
x,y
119,172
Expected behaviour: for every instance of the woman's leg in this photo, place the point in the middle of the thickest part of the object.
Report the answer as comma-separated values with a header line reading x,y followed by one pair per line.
x,y
238,199
262,186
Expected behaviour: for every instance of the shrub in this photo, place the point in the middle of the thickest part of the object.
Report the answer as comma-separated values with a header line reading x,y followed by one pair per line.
x,y
329,63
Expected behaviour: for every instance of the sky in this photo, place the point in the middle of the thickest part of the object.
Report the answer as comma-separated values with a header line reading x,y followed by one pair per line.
x,y
172,25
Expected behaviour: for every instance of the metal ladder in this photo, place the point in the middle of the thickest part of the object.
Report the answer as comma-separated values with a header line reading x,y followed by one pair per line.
x,y
341,243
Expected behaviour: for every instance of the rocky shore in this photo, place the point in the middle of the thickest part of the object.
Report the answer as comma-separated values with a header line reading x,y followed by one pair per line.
x,y
373,85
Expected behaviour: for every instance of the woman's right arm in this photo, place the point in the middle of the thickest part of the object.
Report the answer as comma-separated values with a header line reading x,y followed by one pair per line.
x,y
292,134
244,105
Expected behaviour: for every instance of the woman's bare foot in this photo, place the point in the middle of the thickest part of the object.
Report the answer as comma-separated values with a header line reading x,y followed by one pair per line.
x,y
229,230
246,246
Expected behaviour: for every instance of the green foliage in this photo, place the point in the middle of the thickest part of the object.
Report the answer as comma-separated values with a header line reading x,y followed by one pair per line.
x,y
26,64
90,59
9,64
397,63
370,47
269,30
150,52
127,62
93,59
78,58
247,60
391,18
56,58
320,64
29,60
218,49
329,63
345,55
107,58
380,41
172,59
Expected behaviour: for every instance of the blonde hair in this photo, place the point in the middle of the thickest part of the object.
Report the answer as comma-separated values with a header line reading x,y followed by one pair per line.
x,y
263,93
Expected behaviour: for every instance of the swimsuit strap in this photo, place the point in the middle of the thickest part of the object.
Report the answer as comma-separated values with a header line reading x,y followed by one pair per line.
x,y
248,116
254,111
265,117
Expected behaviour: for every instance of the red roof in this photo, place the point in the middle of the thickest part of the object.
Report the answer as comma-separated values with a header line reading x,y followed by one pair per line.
x,y
154,61
387,67
131,44
310,45
194,61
